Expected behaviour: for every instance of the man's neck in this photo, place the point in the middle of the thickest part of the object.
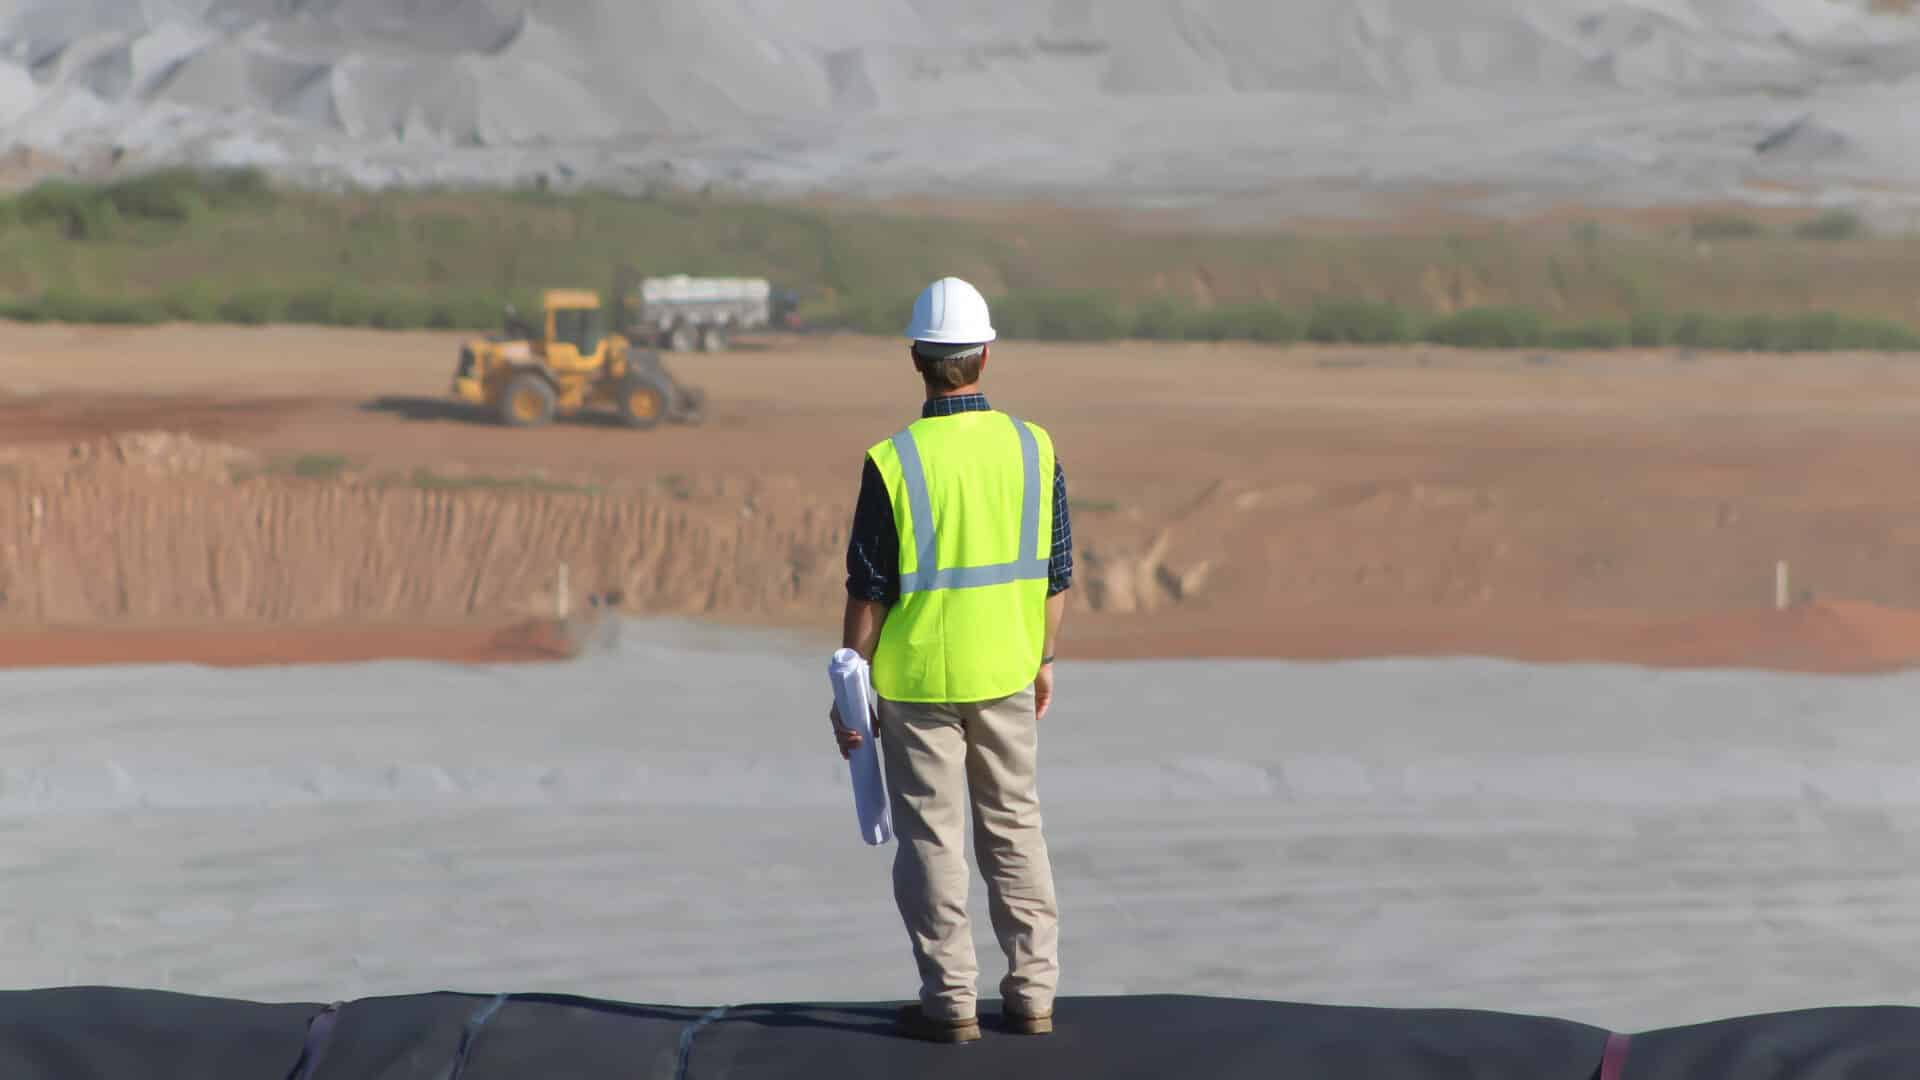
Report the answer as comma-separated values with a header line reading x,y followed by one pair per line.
x,y
962,392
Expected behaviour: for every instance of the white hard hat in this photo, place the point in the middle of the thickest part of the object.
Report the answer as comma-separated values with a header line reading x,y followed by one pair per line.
x,y
951,312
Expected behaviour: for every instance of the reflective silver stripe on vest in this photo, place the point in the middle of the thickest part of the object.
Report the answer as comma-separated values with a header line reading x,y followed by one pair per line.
x,y
1029,567
1029,548
920,507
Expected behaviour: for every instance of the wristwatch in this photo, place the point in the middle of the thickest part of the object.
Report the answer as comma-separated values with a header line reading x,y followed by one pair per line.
x,y
1045,660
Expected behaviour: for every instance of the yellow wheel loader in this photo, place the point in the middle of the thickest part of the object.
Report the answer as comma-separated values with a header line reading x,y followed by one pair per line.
x,y
528,375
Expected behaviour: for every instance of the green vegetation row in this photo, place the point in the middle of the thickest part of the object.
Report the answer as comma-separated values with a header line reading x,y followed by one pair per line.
x,y
229,247
1070,317
1831,225
312,306
1090,317
333,466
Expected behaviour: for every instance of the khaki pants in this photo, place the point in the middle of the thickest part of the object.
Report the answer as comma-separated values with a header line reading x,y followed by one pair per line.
x,y
942,760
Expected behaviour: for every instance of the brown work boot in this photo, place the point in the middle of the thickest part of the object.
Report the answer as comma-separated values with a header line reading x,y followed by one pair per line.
x,y
1021,1023
915,1024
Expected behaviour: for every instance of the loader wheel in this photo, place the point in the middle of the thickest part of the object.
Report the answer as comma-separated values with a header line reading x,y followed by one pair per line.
x,y
643,403
683,338
713,339
527,402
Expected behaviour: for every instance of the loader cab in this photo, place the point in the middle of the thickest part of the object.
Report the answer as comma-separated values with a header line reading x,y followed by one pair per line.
x,y
580,328
575,331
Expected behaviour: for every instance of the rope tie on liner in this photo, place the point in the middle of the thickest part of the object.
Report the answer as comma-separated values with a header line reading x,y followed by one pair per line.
x,y
1613,1063
471,1032
319,1034
686,1040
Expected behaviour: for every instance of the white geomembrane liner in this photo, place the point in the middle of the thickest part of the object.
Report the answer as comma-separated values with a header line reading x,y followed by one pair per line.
x,y
665,821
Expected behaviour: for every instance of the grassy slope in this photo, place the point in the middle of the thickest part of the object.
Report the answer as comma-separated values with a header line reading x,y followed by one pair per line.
x,y
228,248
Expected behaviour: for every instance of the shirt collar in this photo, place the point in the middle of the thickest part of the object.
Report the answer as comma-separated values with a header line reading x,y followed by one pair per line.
x,y
959,403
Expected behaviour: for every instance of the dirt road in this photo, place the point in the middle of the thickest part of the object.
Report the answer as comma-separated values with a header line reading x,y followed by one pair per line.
x,y
1229,500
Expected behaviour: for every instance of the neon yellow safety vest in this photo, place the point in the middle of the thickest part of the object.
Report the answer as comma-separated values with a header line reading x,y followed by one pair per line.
x,y
972,497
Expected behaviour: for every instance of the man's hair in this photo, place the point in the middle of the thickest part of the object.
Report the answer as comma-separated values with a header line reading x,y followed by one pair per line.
x,y
949,367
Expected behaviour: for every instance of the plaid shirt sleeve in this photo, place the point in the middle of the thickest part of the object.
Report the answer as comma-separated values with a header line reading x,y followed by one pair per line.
x,y
873,551
1060,565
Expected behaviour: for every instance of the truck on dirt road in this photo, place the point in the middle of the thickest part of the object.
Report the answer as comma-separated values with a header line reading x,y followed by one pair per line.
x,y
684,313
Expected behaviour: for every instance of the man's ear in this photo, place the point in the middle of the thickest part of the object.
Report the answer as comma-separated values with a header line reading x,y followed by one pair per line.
x,y
986,354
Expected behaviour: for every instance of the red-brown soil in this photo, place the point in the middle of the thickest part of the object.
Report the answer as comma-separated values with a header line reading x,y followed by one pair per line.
x,y
1820,636
257,646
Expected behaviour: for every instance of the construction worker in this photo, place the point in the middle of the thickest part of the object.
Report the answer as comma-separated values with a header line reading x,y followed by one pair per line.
x,y
957,570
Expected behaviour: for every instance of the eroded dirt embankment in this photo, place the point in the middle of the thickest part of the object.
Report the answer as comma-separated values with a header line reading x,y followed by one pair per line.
x,y
153,547
147,528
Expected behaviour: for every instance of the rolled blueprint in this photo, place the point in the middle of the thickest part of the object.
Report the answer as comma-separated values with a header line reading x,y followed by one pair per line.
x,y
853,693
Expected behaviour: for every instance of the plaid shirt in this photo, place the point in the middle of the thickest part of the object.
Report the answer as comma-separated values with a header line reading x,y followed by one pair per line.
x,y
873,552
